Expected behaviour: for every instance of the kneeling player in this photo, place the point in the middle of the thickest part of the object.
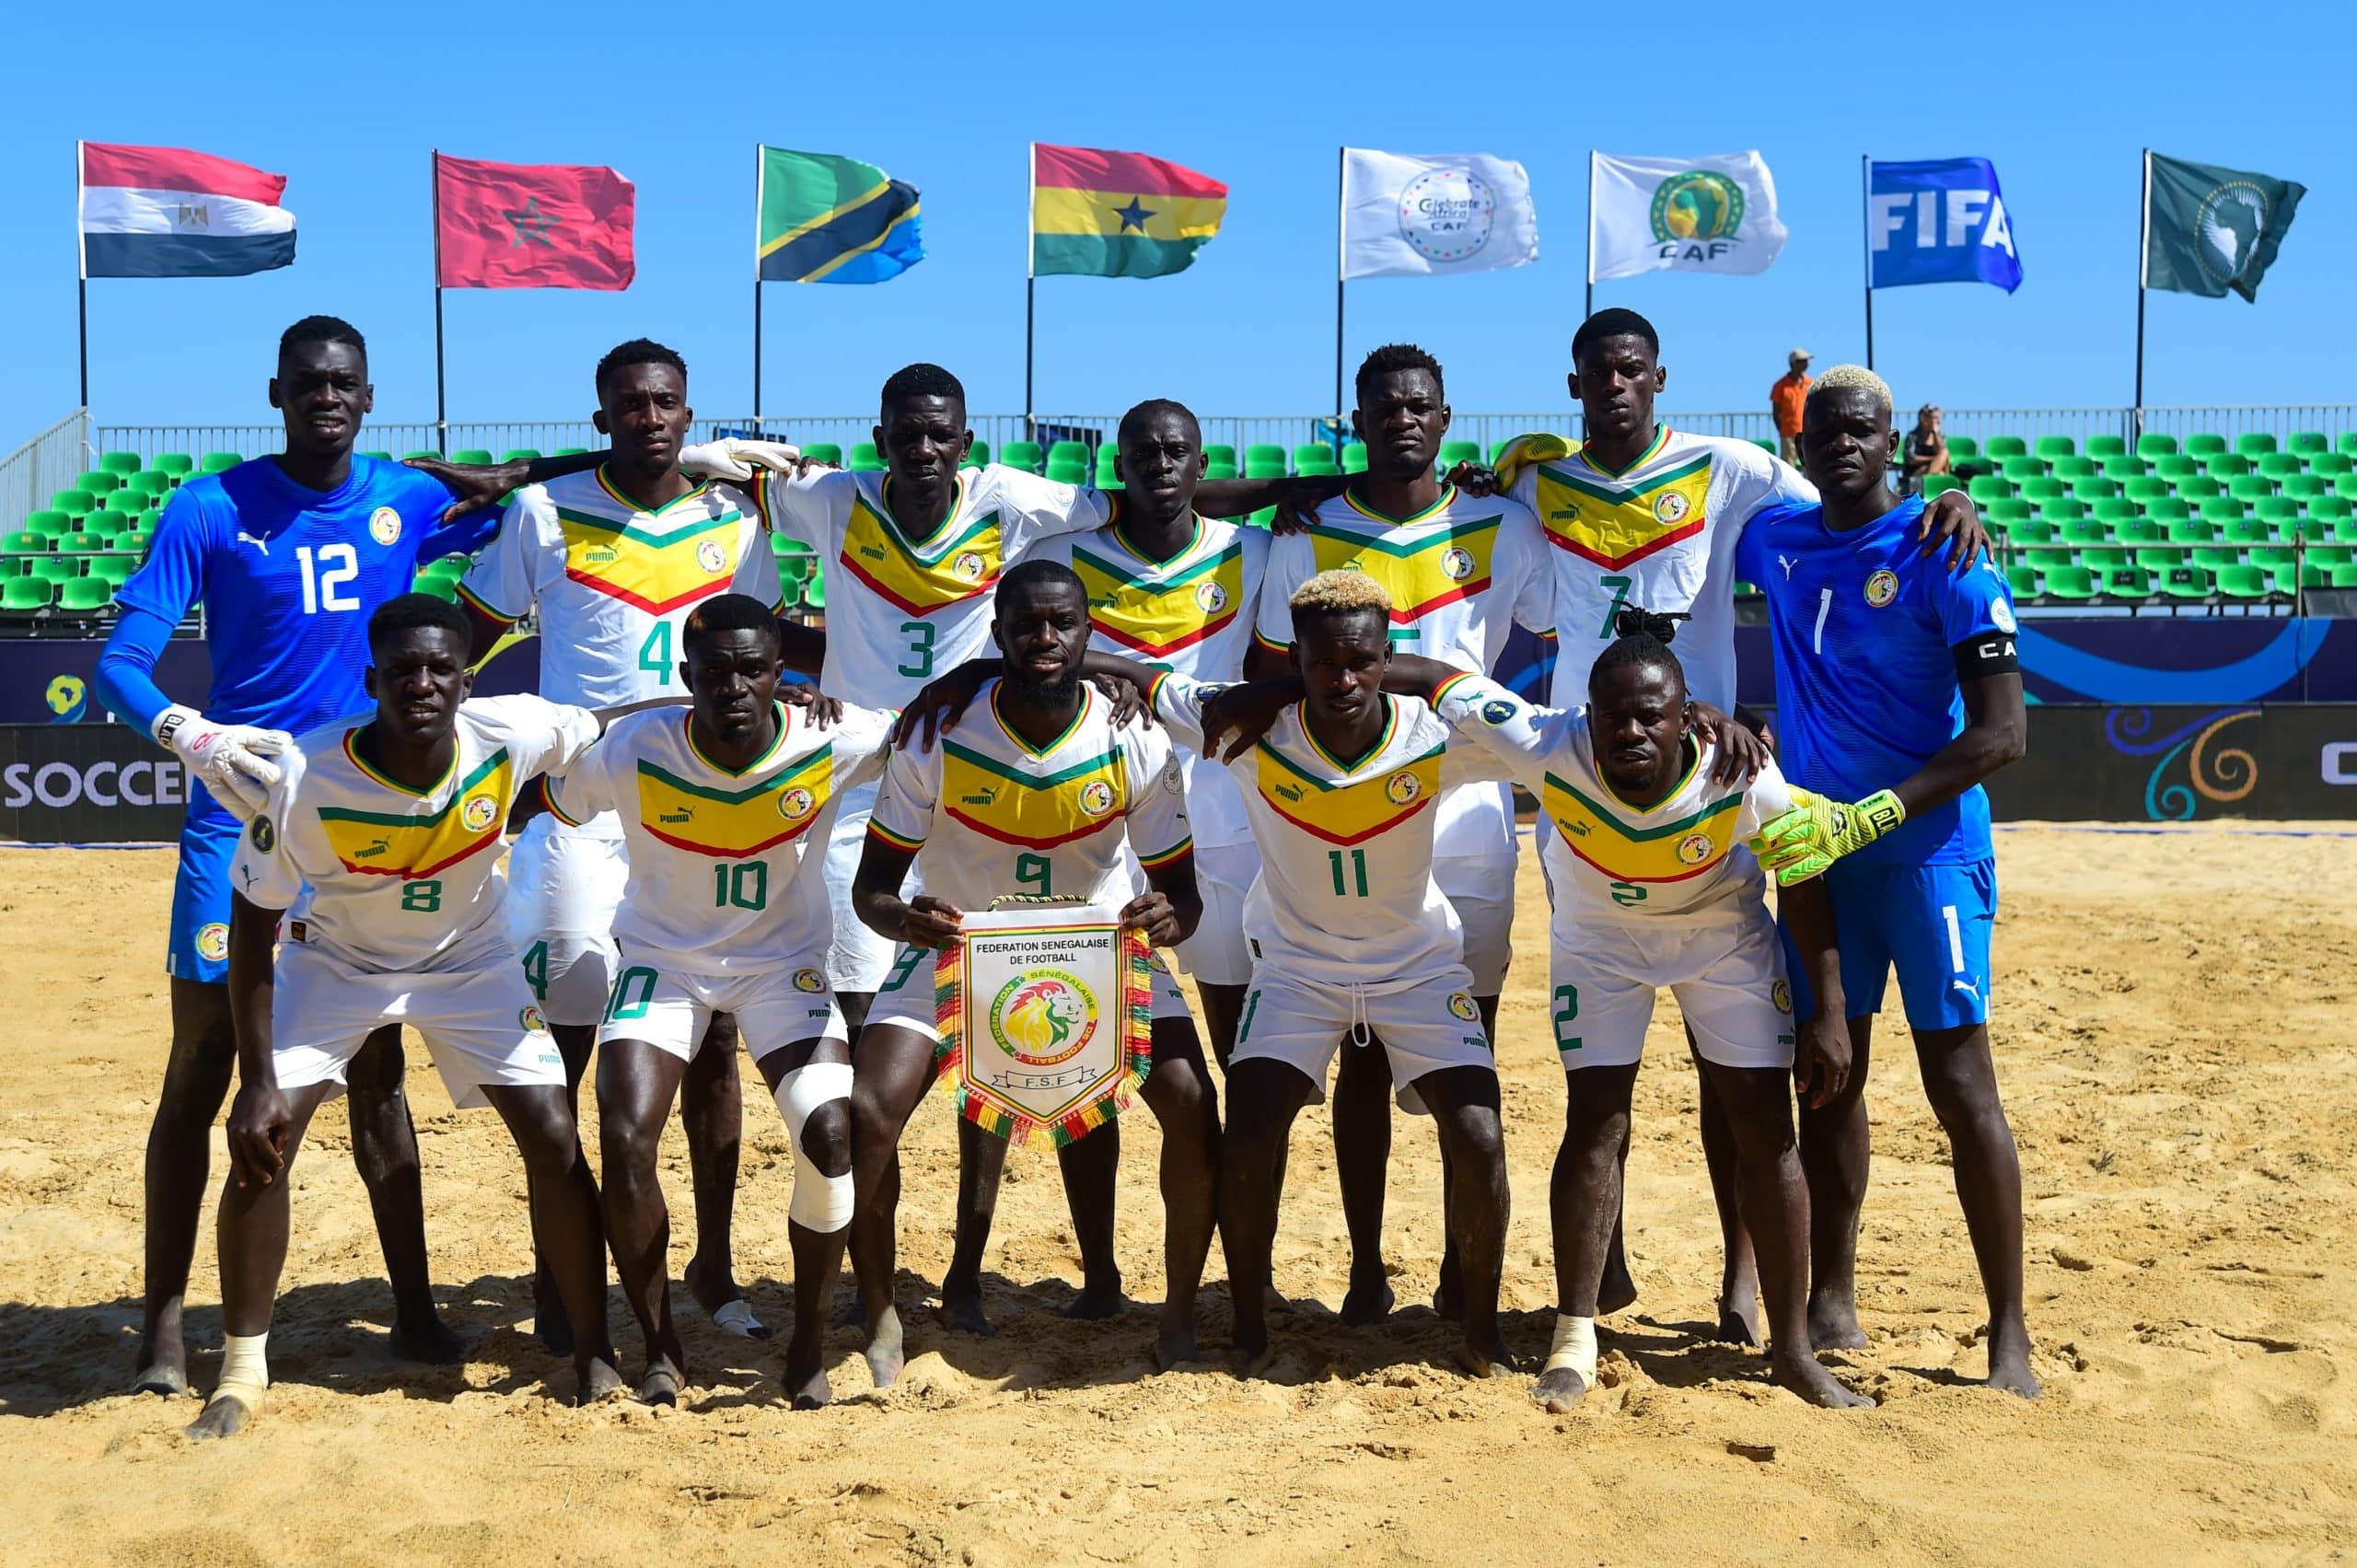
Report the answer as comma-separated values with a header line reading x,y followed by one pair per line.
x,y
1653,887
1031,791
724,914
383,837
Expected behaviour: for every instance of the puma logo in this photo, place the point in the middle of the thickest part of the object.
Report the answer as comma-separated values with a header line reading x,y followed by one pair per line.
x,y
260,544
1787,563
685,815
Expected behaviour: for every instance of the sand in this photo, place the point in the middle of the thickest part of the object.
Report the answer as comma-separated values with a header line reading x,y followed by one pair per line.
x,y
2176,1044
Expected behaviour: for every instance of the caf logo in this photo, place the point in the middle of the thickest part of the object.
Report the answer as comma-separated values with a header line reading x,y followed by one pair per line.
x,y
1402,787
1457,563
1497,712
1210,597
1445,213
1671,507
533,1021
213,941
809,982
1462,1005
795,804
264,836
1694,849
384,525
1782,995
1882,588
711,557
1697,205
1097,798
479,812
968,567
67,698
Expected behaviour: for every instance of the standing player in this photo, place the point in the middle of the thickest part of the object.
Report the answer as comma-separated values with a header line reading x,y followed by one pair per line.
x,y
289,555
725,912
379,844
1032,791
613,560
1899,688
1653,887
1460,571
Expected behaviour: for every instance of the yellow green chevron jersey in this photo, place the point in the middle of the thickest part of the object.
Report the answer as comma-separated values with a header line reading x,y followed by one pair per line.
x,y
1610,862
1191,614
901,609
1345,895
387,876
727,865
989,816
1659,535
1460,574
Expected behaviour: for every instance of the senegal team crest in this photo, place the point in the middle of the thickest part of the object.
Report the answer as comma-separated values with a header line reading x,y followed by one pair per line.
x,y
1670,506
1043,1018
1782,995
533,1021
1097,798
795,804
969,566
384,525
213,941
1402,786
1694,849
1457,563
1697,205
479,812
809,982
1210,597
1881,588
711,557
1464,1007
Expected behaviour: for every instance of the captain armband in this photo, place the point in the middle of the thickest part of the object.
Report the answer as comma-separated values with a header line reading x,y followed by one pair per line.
x,y
1988,653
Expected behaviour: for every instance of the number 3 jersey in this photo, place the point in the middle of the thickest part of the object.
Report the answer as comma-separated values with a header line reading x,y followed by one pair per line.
x,y
1345,895
386,877
721,879
991,816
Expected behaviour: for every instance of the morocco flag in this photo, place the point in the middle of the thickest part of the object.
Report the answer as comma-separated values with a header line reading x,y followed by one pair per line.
x,y
531,226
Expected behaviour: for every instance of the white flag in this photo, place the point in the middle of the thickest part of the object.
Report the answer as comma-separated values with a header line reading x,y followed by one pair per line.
x,y
1702,215
1406,215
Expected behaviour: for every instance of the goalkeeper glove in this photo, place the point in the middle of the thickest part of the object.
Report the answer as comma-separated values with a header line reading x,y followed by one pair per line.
x,y
1819,830
1524,450
232,760
739,460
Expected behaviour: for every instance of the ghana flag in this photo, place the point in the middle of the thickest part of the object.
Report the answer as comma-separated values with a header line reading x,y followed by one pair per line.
x,y
1112,214
827,219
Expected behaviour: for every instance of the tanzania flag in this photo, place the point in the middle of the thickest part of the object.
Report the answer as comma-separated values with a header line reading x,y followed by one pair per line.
x,y
828,219
1112,214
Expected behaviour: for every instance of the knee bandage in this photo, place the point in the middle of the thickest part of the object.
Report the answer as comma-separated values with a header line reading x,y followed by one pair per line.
x,y
1575,1347
821,1203
245,1370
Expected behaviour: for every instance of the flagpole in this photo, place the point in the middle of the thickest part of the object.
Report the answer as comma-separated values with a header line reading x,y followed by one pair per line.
x,y
82,276
1865,214
1588,301
1342,252
441,407
759,165
2144,253
1031,281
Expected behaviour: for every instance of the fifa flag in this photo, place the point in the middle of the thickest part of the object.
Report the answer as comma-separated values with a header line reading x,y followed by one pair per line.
x,y
532,225
1704,215
820,219
1412,215
169,213
2209,230
1109,214
1939,221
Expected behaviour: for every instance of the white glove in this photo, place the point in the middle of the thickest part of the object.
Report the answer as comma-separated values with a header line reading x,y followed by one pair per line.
x,y
737,459
230,759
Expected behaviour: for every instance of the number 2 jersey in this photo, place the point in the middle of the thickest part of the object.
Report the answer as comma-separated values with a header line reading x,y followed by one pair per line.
x,y
389,877
1345,896
722,881
989,816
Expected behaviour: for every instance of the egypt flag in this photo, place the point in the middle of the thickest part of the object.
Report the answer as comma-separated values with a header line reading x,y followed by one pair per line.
x,y
169,213
1112,214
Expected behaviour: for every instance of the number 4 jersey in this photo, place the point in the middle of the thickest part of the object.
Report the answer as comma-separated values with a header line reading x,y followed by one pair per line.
x,y
386,877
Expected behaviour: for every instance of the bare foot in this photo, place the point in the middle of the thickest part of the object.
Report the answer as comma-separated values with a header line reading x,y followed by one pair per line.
x,y
1175,1344
1833,1323
1250,1354
1485,1355
961,1307
1739,1321
431,1342
1559,1391
596,1381
1804,1376
1368,1302
549,1320
885,1357
664,1383
2009,1362
1097,1302
714,1285
224,1416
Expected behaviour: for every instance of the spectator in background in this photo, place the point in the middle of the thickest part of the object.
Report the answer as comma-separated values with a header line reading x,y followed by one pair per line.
x,y
1926,452
1785,400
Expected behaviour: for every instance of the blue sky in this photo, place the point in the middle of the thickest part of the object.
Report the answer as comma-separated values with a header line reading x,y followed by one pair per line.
x,y
348,102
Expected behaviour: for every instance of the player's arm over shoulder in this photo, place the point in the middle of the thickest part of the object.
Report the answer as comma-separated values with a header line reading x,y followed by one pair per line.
x,y
1747,477
1521,737
542,736
1044,506
516,558
1766,798
1179,702
265,869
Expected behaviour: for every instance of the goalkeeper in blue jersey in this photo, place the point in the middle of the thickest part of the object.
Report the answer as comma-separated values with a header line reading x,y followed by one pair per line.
x,y
1897,690
289,555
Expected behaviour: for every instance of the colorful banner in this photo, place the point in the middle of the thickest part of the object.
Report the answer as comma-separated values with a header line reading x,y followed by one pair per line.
x,y
1046,1021
532,225
1704,215
1410,215
1112,214
820,218
1942,220
169,213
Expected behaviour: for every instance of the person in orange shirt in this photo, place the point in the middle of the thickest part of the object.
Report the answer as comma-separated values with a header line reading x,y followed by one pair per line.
x,y
1784,401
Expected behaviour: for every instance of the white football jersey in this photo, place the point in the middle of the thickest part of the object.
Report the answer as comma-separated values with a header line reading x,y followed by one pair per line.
x,y
722,879
1345,896
386,877
1459,575
1610,863
1658,535
900,611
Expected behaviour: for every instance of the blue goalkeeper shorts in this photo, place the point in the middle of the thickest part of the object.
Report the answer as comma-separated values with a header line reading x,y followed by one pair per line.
x,y
1931,923
199,948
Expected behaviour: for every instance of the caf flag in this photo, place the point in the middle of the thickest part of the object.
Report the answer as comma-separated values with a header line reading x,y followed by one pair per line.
x,y
2209,230
1702,215
531,226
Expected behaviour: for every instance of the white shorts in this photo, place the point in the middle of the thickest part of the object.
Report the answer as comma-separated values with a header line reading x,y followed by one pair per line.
x,y
1422,1028
859,958
1217,953
670,1010
907,998
1480,887
476,1014
1728,977
563,890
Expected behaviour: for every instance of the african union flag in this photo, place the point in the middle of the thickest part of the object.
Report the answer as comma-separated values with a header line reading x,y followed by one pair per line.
x,y
828,219
1112,214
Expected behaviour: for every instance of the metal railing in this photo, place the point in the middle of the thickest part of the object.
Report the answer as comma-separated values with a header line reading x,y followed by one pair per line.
x,y
48,464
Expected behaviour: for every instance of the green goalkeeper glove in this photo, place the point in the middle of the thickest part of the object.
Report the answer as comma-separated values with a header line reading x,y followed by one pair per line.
x,y
1819,830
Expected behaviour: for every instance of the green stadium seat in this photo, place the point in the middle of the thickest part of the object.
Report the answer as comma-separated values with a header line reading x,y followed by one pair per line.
x,y
124,463
177,465
2175,467
1455,452
1110,482
1025,455
2070,467
2331,554
1262,468
55,568
2107,447
2131,582
85,543
27,595
2079,530
2159,561
2040,491
2345,486
1068,451
1217,469
2144,489
2281,466
2306,486
1962,449
84,595
1355,456
435,583
2220,510
149,482
1265,517
2138,530
2341,576
2094,488
2114,512
1318,468
24,542
2053,446
825,452
2101,558
2069,580
2330,508
472,457
2199,487
100,483
2293,581
2224,466
1940,484
2246,530
113,570
1987,488
14,565
2022,580
2254,443
2154,444
126,503
1065,471
219,462
519,454
980,453
1763,443
49,523
2021,470
1219,452
420,452
2309,441
2188,582
2031,530
74,503
865,458
2247,488
135,540
2123,468
2194,530
2245,582
2216,557
2271,558
1263,453
2329,466
2282,511
2006,509
2003,446
2167,509
2203,444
